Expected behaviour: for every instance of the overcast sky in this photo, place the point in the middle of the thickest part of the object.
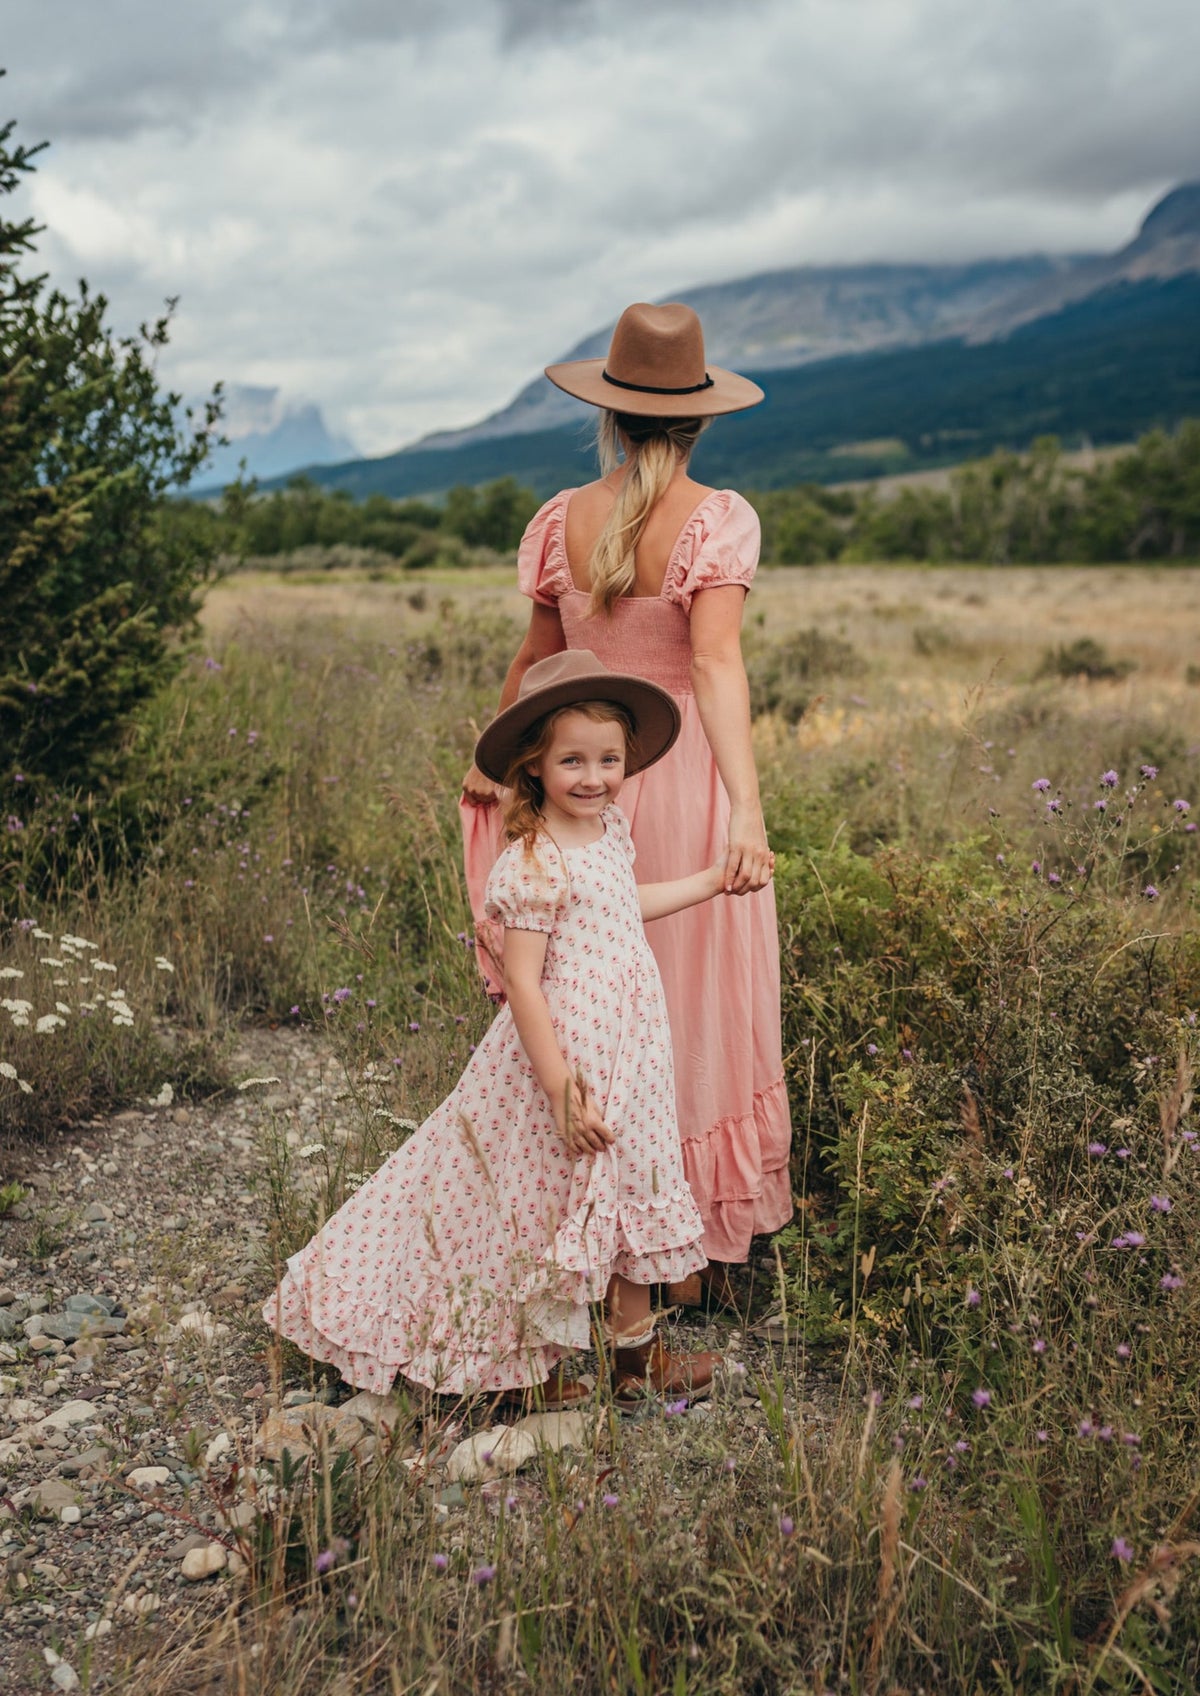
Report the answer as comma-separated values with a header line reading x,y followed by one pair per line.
x,y
402,209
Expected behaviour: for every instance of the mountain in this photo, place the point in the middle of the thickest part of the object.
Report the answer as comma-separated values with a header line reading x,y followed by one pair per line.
x,y
781,319
272,435
877,368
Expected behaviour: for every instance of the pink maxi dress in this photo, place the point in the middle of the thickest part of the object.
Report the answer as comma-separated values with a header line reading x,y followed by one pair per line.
x,y
469,1260
719,961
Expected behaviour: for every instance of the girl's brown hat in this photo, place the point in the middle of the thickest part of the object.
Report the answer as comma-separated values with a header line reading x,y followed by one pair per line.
x,y
567,679
655,368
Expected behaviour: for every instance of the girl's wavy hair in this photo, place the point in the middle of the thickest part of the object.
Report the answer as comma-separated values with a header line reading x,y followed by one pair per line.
x,y
653,450
523,809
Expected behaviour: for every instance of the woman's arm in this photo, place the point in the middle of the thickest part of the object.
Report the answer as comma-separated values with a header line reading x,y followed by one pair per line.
x,y
543,638
575,1114
723,701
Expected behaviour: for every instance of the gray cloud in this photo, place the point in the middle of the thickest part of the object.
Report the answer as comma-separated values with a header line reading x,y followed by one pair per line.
x,y
402,211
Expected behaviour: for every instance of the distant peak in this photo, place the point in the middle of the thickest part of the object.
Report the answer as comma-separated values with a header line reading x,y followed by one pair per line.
x,y
1176,214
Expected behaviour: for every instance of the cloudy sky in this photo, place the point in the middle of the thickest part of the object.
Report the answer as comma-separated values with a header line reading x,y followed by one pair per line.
x,y
401,209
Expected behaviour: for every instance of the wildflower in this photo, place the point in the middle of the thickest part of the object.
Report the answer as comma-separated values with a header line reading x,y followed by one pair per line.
x,y
294,1011
1183,806
906,1054
1121,1550
1110,780
918,1483
1149,772
1123,1351
1054,805
917,1401
1170,1281
973,1297
1036,867
872,1048
786,1525
102,966
1085,1429
1096,1149
1039,1345
1150,893
211,665
325,1560
1042,1436
1041,784
268,938
1131,1439
1105,1434
311,1149
1123,1153
48,1022
676,1407
164,1098
1100,806
162,964
1053,879
483,1575
609,1500
413,1025
340,995
961,1446
981,1398
251,1083
1160,1204
1135,1239
440,1562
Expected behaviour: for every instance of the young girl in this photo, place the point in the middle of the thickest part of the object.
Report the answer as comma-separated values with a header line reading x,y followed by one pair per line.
x,y
550,1179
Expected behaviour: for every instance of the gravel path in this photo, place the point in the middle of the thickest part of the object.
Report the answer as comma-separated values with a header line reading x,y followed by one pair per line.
x,y
136,1373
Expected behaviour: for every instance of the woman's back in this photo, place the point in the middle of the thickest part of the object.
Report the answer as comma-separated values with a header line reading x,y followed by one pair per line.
x,y
586,515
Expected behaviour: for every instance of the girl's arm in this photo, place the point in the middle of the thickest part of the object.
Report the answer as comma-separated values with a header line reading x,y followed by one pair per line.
x,y
575,1113
723,701
543,638
659,899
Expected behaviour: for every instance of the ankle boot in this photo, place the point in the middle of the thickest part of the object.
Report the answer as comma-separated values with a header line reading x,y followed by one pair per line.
x,y
650,1369
710,1290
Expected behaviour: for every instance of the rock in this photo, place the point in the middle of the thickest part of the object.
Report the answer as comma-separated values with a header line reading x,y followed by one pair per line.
x,y
204,1563
185,1545
89,1460
11,1449
97,1213
44,1345
71,1514
201,1325
567,1430
9,1386
97,1628
8,1323
380,1411
220,1445
141,1604
32,1326
7,1296
490,1452
19,1409
64,1677
50,1497
301,1427
147,1477
100,1306
70,1413
240,1516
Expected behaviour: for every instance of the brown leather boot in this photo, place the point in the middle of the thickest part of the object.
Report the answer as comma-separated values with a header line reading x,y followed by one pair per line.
x,y
710,1289
651,1370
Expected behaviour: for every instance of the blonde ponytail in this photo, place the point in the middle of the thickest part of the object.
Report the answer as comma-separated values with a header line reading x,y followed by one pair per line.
x,y
654,449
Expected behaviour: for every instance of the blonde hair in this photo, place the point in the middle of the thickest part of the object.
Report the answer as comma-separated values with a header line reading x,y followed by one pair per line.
x,y
523,809
654,449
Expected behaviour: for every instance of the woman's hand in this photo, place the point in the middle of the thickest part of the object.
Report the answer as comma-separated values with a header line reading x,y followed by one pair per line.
x,y
478,790
578,1122
749,862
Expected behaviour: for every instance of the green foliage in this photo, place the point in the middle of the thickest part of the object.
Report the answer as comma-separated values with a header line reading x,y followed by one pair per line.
x,y
784,676
1084,657
97,575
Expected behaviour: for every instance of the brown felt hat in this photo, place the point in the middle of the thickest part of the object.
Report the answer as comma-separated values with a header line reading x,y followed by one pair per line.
x,y
655,367
567,679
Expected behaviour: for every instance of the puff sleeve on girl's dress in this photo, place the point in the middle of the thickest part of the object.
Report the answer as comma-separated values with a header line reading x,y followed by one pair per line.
x,y
526,891
718,546
542,570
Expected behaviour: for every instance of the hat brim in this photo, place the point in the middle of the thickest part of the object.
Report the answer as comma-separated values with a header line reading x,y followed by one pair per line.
x,y
655,716
585,379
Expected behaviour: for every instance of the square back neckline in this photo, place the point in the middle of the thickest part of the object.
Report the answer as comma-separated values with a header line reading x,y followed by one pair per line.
x,y
675,545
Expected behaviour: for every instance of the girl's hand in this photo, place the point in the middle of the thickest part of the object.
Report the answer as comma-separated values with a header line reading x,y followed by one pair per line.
x,y
479,790
749,862
578,1122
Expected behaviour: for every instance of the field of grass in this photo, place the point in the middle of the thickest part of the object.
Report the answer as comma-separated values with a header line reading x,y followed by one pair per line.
x,y
981,786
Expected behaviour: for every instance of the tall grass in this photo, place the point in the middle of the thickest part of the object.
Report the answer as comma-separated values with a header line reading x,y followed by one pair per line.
x,y
990,1029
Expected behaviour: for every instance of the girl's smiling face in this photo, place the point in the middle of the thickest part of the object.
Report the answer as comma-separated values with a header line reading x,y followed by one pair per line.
x,y
582,770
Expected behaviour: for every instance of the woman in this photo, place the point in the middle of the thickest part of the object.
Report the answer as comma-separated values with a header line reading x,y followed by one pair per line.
x,y
649,570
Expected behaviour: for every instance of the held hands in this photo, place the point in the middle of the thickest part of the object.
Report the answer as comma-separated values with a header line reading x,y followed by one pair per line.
x,y
577,1119
748,863
479,790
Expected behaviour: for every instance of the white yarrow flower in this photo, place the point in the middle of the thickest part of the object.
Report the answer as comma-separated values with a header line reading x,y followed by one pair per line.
x,y
48,1022
164,1098
42,935
163,964
250,1083
103,966
309,1149
51,960
10,972
21,1020
7,1069
61,1007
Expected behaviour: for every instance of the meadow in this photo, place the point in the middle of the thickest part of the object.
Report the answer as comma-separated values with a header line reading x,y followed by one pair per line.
x,y
972,1465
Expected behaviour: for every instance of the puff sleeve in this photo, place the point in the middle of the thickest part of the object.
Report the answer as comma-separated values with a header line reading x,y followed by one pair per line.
x,y
719,546
526,890
542,570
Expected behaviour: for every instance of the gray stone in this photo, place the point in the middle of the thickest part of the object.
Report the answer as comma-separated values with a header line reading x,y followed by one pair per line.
x,y
7,1296
32,1326
8,1325
96,1457
50,1497
96,1212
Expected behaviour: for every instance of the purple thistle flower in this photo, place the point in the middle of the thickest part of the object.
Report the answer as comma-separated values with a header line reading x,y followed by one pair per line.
x,y
1183,806
413,1025
1160,1204
483,1575
1121,1550
1105,1434
1085,1429
340,995
1053,879
440,1563
1135,1239
1041,784
981,1398
1096,1149
1100,806
1149,772
609,1500
918,1483
786,1525
917,1401
1123,1153
1042,1436
1036,867
973,1297
1110,780
1054,805
325,1560
1191,828
872,1048
1123,1351
676,1407
962,1447
1039,1345
1131,1439
1150,892
1170,1281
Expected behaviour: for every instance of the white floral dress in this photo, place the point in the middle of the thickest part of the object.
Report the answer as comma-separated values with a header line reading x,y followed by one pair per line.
x,y
469,1260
